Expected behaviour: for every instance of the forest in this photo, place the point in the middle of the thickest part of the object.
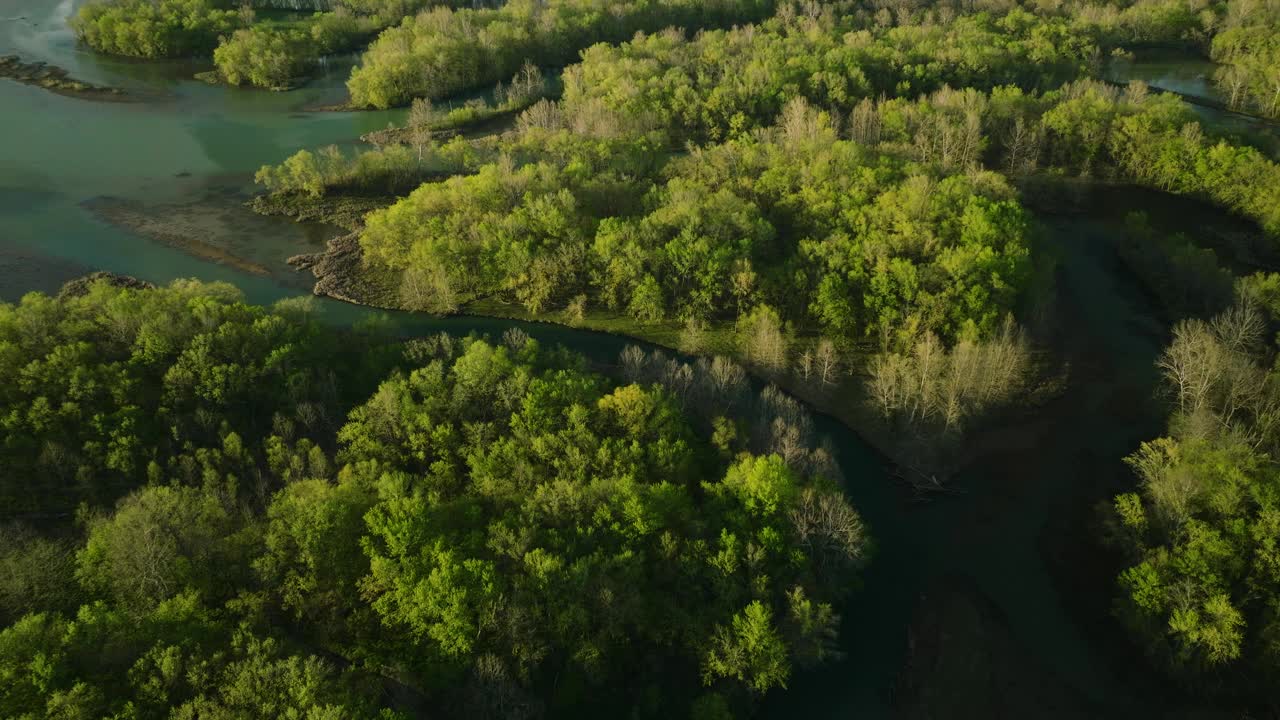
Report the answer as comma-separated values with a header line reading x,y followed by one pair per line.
x,y
458,523
847,205
792,188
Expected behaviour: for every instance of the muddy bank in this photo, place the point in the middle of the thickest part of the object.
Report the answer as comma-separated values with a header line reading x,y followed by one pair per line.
x,y
340,274
169,230
344,211
57,80
80,286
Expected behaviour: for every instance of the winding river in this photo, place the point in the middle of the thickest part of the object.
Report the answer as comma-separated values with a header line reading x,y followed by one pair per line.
x,y
986,595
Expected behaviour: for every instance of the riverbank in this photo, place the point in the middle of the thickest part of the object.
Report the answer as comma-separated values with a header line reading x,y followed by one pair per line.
x,y
213,77
342,274
81,285
488,123
57,80
345,211
1208,102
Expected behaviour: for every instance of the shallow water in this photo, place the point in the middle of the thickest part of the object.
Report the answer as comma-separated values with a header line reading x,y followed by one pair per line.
x,y
185,162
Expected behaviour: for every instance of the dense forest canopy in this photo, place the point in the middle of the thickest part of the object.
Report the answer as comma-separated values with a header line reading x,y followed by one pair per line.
x,y
440,53
827,181
492,528
255,514
266,44
792,218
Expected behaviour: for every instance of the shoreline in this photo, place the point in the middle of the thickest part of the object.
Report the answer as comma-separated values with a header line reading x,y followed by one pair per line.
x,y
340,275
58,81
1205,102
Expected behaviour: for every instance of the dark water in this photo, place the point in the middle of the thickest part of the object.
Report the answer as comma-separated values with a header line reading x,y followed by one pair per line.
x,y
184,162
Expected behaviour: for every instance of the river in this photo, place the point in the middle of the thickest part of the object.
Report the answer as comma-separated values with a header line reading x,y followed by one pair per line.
x,y
979,575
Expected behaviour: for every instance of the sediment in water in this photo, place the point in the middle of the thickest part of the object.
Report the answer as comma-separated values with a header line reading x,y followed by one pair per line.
x,y
58,80
127,215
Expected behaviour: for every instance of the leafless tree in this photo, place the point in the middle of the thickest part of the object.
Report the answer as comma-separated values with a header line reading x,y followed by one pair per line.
x,y
515,338
764,341
693,337
864,123
804,365
494,695
827,358
576,311
634,362
828,525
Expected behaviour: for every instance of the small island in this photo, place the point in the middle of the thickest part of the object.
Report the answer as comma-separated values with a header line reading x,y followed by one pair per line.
x,y
58,80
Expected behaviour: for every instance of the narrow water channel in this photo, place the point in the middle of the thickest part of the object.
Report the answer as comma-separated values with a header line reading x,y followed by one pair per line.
x,y
967,590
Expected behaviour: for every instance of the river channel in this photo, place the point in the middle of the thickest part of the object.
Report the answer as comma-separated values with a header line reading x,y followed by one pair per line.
x,y
978,593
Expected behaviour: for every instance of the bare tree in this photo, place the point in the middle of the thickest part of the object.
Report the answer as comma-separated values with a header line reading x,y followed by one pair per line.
x,y
827,524
515,338
633,361
1191,363
828,361
693,337
421,118
576,311
763,340
492,694
728,381
744,282
935,393
1240,328
1022,148
864,123
804,365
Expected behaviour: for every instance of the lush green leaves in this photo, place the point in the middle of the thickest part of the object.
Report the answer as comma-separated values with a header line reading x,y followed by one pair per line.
x,y
494,525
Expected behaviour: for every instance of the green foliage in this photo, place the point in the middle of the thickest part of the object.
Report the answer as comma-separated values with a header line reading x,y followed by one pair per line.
x,y
146,29
495,527
263,57
246,50
723,84
1207,554
1247,51
751,651
1262,290
442,52
391,169
1186,278
102,391
174,661
163,540
557,500
490,227
1085,129
820,228
1201,534
36,573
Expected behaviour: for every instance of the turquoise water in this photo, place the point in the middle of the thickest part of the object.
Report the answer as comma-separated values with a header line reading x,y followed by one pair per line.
x,y
187,158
